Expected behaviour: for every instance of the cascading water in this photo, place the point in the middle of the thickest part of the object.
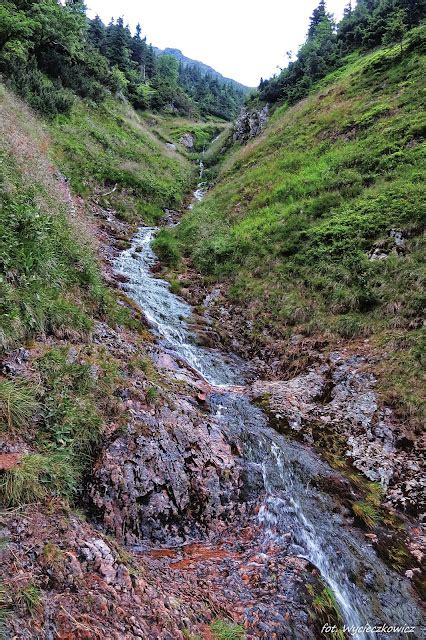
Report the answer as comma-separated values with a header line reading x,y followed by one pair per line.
x,y
201,189
305,535
166,312
291,504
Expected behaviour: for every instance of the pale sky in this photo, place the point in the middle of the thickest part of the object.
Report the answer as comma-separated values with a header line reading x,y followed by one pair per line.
x,y
243,39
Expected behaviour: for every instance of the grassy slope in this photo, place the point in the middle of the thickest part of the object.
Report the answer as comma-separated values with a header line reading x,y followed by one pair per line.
x,y
171,129
295,213
110,144
49,281
51,288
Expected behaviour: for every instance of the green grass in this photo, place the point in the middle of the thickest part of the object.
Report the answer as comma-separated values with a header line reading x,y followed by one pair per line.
x,y
43,269
38,476
51,283
73,398
225,630
295,213
325,609
29,597
109,145
18,404
366,512
4,609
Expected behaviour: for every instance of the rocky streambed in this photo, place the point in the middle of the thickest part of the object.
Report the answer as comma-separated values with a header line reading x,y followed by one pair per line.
x,y
203,505
233,501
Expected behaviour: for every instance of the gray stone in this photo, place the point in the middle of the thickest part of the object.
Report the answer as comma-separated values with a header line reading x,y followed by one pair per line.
x,y
187,140
250,124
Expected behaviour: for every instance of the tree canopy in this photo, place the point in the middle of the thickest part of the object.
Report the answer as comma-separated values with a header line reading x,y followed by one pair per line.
x,y
50,51
367,25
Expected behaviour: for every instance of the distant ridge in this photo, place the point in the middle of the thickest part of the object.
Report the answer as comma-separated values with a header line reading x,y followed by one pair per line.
x,y
204,68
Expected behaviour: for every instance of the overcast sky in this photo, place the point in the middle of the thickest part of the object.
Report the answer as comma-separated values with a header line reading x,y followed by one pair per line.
x,y
242,39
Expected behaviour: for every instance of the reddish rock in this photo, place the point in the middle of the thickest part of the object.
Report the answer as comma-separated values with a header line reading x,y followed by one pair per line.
x,y
9,460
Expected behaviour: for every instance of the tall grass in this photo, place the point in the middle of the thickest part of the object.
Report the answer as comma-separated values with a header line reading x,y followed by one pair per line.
x,y
18,404
38,476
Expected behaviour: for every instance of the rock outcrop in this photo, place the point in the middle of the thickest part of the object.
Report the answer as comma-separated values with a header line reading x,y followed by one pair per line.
x,y
169,475
250,124
395,244
85,586
338,400
187,140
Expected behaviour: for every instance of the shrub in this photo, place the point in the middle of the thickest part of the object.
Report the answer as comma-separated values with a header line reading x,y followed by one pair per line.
x,y
167,249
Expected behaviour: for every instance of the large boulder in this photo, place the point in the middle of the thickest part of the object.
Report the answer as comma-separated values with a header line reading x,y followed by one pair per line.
x,y
168,476
250,123
187,140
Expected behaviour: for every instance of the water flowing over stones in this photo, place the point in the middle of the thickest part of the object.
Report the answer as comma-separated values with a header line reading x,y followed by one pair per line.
x,y
339,397
182,475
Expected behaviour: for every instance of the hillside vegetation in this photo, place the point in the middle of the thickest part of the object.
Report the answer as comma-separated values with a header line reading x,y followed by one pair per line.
x,y
296,216
111,146
52,292
50,51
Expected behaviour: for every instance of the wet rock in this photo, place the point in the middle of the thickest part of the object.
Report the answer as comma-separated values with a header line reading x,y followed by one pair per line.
x,y
170,217
339,397
171,475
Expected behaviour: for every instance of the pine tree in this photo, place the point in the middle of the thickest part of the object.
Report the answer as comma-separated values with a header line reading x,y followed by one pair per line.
x,y
117,50
139,51
97,33
396,28
150,62
319,14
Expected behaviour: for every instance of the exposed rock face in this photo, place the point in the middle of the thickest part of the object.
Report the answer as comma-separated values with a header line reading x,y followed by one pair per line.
x,y
395,245
187,140
92,588
250,124
167,476
338,397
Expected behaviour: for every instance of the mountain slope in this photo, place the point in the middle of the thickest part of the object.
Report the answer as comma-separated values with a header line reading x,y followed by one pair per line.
x,y
315,226
204,68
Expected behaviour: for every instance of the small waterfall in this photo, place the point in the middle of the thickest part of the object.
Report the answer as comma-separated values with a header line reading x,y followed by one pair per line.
x,y
201,189
306,535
